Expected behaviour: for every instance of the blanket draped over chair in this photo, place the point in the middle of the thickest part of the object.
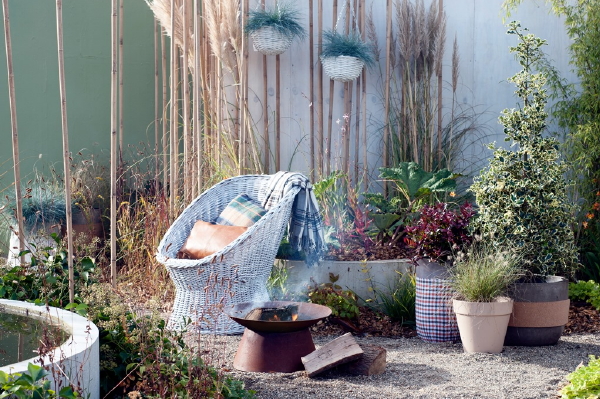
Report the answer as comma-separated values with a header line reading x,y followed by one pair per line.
x,y
239,272
306,229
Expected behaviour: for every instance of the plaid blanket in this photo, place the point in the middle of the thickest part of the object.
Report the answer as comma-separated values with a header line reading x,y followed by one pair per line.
x,y
305,228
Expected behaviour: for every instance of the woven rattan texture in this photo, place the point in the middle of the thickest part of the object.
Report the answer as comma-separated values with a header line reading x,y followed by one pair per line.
x,y
238,273
270,41
342,68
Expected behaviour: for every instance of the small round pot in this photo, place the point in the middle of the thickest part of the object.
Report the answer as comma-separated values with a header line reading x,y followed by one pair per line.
x,y
270,41
482,325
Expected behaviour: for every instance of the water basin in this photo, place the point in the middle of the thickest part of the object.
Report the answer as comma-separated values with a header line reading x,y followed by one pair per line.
x,y
23,337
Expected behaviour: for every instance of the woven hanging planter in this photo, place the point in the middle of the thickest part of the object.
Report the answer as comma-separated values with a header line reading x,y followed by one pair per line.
x,y
270,41
342,68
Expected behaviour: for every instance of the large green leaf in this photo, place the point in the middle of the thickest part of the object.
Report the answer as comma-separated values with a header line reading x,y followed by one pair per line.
x,y
415,182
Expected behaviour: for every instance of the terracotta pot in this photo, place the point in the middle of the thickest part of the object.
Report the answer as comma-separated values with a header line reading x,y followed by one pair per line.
x,y
88,221
540,312
435,320
483,325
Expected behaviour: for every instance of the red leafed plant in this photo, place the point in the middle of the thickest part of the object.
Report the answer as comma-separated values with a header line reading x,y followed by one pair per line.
x,y
440,231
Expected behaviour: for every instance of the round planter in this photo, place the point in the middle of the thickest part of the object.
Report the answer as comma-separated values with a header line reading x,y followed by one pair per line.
x,y
482,325
88,222
435,319
540,312
270,41
342,68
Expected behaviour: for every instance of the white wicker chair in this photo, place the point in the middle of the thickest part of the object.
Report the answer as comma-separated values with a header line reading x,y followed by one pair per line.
x,y
238,273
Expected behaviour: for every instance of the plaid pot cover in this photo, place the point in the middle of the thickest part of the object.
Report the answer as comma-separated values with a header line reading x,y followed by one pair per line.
x,y
435,319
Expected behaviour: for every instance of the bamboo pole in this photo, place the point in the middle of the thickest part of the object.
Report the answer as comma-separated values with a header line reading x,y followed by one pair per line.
x,y
156,107
330,116
388,52
347,105
121,87
163,68
187,145
277,113
266,141
14,128
312,90
244,97
357,6
320,125
439,89
113,145
196,94
364,112
174,118
65,142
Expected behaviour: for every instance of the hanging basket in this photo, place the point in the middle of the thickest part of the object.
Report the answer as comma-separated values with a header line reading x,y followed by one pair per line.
x,y
342,68
270,41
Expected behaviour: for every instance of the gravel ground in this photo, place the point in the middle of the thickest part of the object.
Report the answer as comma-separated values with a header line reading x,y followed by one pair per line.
x,y
416,369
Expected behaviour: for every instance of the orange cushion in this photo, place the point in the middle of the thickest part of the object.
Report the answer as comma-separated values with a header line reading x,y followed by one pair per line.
x,y
207,238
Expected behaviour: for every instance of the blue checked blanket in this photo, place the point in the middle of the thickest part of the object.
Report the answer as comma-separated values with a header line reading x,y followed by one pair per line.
x,y
305,228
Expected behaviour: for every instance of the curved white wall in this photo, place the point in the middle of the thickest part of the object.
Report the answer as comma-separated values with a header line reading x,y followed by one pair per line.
x,y
78,357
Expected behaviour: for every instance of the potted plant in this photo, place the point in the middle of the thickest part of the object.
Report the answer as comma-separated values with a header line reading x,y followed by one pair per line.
x,y
480,281
523,204
273,29
344,55
44,212
436,236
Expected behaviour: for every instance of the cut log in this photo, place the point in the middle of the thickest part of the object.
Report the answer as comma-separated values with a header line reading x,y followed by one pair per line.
x,y
372,362
283,313
341,350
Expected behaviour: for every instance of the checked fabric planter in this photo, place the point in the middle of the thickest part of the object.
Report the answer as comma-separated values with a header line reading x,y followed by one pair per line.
x,y
435,319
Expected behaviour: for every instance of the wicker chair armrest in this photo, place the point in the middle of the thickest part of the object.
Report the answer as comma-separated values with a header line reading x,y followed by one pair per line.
x,y
245,242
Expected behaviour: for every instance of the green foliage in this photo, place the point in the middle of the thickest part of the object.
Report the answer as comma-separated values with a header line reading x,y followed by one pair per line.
x,y
398,300
283,18
415,186
342,303
139,353
31,384
336,44
46,280
584,382
522,195
587,291
485,273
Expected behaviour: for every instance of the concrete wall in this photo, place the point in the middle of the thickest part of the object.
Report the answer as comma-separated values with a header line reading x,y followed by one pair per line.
x,y
478,26
87,46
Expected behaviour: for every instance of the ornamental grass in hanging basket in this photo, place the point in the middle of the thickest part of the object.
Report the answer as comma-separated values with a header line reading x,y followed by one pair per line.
x,y
344,56
272,30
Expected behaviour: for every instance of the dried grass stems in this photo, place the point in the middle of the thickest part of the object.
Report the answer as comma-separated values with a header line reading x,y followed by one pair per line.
x,y
420,130
485,273
221,141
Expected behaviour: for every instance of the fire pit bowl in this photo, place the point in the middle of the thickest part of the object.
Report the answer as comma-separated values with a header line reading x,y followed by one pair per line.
x,y
308,314
275,345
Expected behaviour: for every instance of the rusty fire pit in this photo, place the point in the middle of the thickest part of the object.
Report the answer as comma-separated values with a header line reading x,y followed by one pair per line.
x,y
276,334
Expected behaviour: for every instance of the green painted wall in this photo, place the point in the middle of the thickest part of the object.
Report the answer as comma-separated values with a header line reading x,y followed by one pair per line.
x,y
87,45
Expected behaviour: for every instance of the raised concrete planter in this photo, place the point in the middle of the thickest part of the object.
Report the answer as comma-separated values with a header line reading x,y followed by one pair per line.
x,y
356,276
78,357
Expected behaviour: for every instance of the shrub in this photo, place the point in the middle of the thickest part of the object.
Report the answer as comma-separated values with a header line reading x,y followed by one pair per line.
x,y
440,231
586,291
584,382
342,303
522,195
